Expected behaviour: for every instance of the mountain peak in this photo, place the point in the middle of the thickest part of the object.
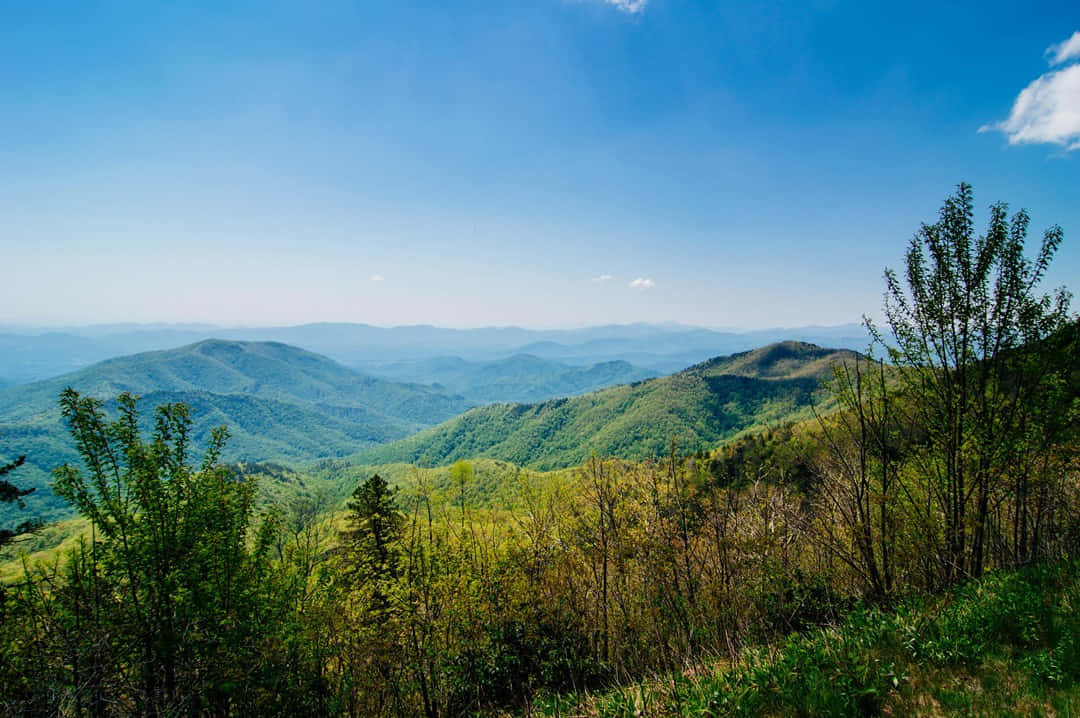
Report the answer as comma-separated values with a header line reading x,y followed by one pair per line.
x,y
788,359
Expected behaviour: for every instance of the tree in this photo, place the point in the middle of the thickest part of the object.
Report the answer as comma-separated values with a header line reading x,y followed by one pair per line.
x,y
858,495
12,494
461,473
374,527
971,336
369,642
170,572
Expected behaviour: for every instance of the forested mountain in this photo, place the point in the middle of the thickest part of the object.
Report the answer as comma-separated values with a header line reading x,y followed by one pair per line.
x,y
278,402
783,360
697,407
266,370
519,378
28,354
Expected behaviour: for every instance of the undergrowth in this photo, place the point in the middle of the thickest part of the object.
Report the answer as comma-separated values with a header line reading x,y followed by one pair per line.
x,y
1008,644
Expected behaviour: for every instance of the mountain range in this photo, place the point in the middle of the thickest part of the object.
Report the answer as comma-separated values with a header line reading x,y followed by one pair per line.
x,y
278,402
697,408
282,403
29,354
518,378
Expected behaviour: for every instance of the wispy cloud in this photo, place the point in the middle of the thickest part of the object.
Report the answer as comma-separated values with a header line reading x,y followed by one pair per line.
x,y
1047,111
630,6
603,278
642,283
1063,51
376,277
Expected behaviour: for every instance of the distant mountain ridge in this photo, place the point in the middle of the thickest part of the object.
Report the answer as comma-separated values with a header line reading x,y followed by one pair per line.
x,y
518,378
698,408
29,355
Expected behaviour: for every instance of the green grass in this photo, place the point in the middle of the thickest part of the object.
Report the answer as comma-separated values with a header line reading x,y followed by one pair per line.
x,y
1006,645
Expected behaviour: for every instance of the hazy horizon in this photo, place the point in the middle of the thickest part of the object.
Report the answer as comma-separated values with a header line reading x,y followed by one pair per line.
x,y
120,326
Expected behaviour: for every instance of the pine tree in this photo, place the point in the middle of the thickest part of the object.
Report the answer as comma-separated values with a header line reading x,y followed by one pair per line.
x,y
12,494
374,527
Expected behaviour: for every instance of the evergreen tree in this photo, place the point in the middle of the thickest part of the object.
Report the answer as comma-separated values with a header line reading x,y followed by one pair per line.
x,y
12,494
374,525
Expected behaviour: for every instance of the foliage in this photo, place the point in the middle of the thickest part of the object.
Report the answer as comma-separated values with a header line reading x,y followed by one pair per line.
x,y
970,330
160,609
1003,645
779,453
563,583
12,494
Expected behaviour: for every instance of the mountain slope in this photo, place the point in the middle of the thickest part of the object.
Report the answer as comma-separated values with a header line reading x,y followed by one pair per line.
x,y
782,360
698,407
267,370
518,378
278,402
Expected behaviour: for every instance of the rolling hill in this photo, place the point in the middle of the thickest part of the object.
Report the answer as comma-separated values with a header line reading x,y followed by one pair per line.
x,y
279,402
698,407
518,378
267,370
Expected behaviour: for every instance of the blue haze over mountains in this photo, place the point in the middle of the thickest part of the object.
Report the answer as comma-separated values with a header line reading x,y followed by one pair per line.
x,y
30,354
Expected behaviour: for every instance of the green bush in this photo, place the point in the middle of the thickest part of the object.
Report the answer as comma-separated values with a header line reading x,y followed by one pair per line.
x,y
516,659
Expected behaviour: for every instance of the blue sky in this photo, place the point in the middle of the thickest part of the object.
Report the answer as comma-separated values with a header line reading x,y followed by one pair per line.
x,y
518,162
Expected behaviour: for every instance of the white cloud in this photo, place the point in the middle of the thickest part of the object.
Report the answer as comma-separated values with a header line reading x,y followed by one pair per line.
x,y
1047,110
603,278
376,277
631,6
1067,50
642,283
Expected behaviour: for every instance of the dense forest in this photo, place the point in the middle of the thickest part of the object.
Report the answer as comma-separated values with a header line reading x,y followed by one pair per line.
x,y
923,512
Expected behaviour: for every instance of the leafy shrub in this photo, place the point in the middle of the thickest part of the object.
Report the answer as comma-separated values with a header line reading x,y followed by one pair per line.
x,y
517,658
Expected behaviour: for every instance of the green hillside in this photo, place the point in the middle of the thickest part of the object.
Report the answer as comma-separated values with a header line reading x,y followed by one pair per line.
x,y
519,378
267,370
698,407
278,402
782,360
